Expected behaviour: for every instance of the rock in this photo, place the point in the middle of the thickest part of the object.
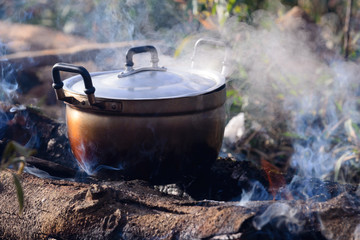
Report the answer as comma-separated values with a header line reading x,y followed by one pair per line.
x,y
235,129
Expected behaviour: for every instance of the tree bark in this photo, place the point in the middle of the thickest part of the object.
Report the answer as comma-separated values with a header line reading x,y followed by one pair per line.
x,y
134,210
112,210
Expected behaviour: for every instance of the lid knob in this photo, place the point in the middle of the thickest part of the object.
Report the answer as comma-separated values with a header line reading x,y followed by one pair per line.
x,y
129,70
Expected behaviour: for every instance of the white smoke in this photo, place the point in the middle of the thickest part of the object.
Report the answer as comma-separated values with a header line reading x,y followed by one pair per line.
x,y
284,214
8,74
286,76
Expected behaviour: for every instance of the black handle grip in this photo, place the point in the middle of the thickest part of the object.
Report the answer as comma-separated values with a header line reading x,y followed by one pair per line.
x,y
89,88
135,50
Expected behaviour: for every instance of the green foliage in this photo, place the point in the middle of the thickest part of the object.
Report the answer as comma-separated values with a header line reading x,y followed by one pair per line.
x,y
19,192
235,96
347,166
242,9
14,155
236,101
293,135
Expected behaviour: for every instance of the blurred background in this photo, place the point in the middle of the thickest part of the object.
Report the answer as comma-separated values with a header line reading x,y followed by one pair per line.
x,y
124,20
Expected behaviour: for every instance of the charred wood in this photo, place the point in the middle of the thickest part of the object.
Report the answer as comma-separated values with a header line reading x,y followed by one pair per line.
x,y
135,210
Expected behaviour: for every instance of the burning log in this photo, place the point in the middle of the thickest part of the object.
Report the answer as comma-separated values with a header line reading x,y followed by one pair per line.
x,y
65,210
134,210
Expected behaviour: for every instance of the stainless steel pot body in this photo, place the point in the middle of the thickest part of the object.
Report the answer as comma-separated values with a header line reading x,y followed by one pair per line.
x,y
155,147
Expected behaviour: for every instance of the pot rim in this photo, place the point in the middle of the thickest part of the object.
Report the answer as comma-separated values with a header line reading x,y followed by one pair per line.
x,y
155,107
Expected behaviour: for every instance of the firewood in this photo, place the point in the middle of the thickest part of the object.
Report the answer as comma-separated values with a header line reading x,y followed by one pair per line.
x,y
134,210
112,210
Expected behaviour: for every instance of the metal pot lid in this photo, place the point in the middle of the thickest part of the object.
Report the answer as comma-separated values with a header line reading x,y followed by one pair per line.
x,y
107,90
148,83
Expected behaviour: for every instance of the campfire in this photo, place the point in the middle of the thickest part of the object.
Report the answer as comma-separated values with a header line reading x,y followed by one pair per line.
x,y
130,160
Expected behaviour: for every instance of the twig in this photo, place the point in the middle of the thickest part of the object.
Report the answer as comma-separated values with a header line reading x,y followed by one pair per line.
x,y
347,28
329,131
52,168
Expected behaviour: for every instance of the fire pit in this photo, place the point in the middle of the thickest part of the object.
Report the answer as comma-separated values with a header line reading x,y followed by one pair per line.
x,y
138,209
230,199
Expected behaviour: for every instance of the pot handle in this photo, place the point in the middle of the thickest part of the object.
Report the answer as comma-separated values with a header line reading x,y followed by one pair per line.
x,y
135,50
129,70
58,84
213,42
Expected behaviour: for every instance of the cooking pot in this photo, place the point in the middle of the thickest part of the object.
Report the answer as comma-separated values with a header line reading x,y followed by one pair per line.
x,y
150,123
